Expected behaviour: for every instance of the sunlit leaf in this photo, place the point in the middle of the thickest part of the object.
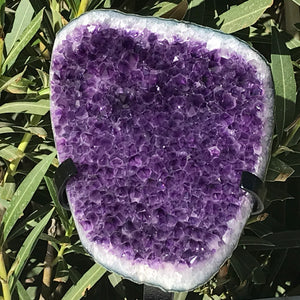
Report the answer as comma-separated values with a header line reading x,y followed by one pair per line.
x,y
284,81
15,85
8,188
178,12
77,291
26,249
243,15
23,17
24,39
9,152
23,295
39,131
297,2
23,195
39,107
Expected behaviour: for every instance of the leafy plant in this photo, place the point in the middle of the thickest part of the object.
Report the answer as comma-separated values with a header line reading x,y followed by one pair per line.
x,y
40,255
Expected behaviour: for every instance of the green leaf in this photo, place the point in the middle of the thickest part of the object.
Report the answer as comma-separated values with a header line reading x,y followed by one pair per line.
x,y
293,160
276,191
72,5
8,189
284,81
243,263
26,250
277,259
253,240
2,13
180,296
107,4
261,229
6,82
74,274
195,12
297,2
23,195
77,291
285,239
63,216
18,87
10,153
62,271
24,39
44,78
39,131
178,12
278,170
39,107
259,276
159,9
23,17
29,222
243,15
13,129
23,295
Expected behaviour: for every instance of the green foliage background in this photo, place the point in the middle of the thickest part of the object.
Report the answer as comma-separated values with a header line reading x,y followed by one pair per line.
x,y
40,254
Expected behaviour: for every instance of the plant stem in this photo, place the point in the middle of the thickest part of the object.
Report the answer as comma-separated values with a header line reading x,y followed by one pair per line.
x,y
4,278
82,7
47,274
12,168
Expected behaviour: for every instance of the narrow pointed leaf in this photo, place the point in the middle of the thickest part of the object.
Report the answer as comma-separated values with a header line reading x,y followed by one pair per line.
x,y
178,12
278,170
160,8
284,81
297,2
59,209
9,81
40,107
23,17
253,240
86,282
10,152
23,295
25,38
28,223
23,195
195,12
62,271
243,263
285,239
243,15
26,250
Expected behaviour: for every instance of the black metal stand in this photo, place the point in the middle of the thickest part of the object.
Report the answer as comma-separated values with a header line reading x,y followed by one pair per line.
x,y
64,172
253,185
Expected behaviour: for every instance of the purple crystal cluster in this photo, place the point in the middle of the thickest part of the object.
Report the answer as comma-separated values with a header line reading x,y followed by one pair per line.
x,y
160,132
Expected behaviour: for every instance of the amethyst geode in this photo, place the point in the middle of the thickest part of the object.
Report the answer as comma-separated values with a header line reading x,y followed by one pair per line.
x,y
160,118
